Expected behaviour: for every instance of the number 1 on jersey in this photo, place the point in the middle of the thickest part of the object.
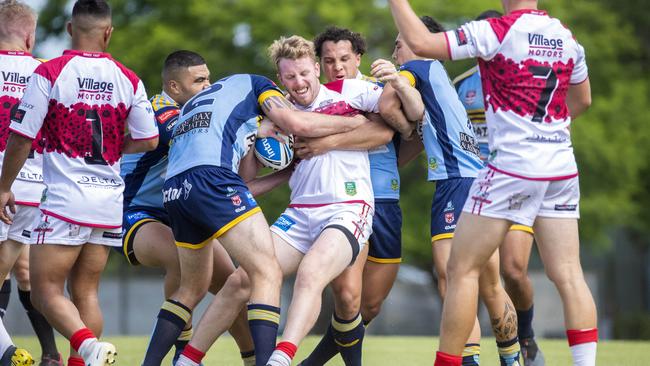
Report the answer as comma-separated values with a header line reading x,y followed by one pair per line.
x,y
544,72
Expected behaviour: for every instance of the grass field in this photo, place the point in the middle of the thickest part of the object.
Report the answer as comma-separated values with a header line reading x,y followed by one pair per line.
x,y
382,351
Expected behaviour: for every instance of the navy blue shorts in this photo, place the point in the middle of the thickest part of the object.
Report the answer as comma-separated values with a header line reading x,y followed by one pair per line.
x,y
386,239
132,220
204,202
448,202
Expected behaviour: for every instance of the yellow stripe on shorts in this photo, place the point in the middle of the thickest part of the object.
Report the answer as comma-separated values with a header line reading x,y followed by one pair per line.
x,y
441,237
524,228
384,260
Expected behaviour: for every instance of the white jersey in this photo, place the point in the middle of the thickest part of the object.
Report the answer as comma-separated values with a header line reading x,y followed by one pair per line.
x,y
16,68
82,101
528,61
338,175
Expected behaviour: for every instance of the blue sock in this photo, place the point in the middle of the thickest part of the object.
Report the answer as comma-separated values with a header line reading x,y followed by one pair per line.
x,y
348,335
509,352
324,351
172,318
263,321
5,294
525,324
471,354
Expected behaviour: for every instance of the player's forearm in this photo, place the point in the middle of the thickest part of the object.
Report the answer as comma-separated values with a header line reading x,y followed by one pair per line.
x,y
269,182
579,98
390,109
411,100
368,136
408,151
132,146
415,33
248,166
16,154
318,125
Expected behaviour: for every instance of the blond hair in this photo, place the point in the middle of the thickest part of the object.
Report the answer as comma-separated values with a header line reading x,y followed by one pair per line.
x,y
291,48
17,20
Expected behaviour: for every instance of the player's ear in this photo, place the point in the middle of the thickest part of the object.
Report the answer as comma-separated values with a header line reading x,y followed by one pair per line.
x,y
108,32
68,28
29,41
317,69
358,60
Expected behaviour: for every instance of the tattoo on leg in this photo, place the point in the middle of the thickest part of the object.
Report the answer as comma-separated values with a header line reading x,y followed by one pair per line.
x,y
505,327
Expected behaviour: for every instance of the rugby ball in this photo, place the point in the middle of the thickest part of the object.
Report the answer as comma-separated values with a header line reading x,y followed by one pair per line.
x,y
275,154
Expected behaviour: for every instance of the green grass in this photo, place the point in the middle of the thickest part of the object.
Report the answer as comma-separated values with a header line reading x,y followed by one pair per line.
x,y
379,351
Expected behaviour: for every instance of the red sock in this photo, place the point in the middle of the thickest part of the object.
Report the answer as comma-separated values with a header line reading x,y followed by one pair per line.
x,y
79,337
288,348
445,359
193,354
76,361
580,336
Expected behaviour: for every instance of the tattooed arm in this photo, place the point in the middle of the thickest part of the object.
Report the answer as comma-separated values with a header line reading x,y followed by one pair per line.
x,y
307,124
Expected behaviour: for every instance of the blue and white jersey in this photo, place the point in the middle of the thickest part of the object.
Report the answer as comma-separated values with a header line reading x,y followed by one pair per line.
x,y
470,92
218,125
383,162
144,173
452,150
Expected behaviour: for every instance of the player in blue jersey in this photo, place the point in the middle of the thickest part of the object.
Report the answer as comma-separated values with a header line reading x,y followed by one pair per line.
x,y
515,251
148,239
340,51
207,199
453,162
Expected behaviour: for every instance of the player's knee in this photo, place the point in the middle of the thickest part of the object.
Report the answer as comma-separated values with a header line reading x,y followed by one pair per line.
x,y
370,309
309,281
348,300
21,273
565,276
268,273
513,272
238,286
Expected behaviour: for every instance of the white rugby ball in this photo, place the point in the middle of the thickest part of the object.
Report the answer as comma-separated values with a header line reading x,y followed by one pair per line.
x,y
273,153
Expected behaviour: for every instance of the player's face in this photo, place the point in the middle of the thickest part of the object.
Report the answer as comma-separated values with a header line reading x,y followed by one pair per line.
x,y
339,60
192,81
402,53
300,78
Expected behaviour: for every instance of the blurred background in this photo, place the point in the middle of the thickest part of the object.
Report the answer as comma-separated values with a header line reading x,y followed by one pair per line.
x,y
612,144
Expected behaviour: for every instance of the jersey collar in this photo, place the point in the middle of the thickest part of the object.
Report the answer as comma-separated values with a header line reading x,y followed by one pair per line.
x,y
87,54
528,11
14,53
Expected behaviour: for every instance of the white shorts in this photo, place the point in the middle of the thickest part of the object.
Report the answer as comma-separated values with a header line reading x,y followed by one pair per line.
x,y
21,228
502,196
50,230
300,226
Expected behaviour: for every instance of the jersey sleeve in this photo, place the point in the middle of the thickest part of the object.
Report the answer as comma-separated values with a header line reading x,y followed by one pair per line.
x,y
264,88
166,119
472,40
362,95
141,118
28,118
579,73
411,71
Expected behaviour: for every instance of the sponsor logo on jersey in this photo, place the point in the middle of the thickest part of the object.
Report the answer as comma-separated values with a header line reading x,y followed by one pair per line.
x,y
538,45
197,123
172,193
350,188
449,217
240,209
468,143
91,89
98,182
470,96
394,184
449,207
18,116
555,139
284,222
110,235
13,82
230,191
516,200
450,227
167,115
29,177
566,207
461,37
187,187
236,200
43,226
251,199
73,230
433,163
26,233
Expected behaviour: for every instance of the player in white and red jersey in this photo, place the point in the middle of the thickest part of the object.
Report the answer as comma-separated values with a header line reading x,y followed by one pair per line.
x,y
329,218
535,81
81,103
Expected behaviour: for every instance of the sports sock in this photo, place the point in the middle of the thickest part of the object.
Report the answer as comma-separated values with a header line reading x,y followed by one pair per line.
x,y
42,328
509,352
525,324
348,335
5,294
283,354
183,339
172,318
445,359
80,337
5,340
324,351
263,321
471,354
76,361
193,354
583,343
248,358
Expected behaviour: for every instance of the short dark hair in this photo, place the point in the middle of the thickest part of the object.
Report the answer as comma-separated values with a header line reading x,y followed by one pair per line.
x,y
179,60
336,34
95,8
489,14
432,25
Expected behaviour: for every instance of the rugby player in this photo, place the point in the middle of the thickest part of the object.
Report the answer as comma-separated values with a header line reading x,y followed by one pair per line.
x,y
206,199
453,162
339,51
531,177
515,251
81,102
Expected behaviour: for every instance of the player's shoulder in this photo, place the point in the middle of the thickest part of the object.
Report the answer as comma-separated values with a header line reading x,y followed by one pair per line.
x,y
465,76
128,73
161,102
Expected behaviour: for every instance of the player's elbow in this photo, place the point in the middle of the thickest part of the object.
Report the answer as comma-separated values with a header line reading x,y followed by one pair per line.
x,y
150,144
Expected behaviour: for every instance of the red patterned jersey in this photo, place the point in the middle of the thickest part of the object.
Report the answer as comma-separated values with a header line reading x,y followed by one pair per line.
x,y
83,103
16,68
528,60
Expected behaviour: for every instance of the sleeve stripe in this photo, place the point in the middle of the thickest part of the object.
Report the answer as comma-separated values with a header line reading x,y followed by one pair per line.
x,y
407,74
448,45
267,94
23,134
144,138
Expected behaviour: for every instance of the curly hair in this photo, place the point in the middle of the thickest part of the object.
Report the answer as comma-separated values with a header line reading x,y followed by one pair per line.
x,y
336,34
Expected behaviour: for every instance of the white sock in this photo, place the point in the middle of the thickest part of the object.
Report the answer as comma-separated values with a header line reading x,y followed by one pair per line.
x,y
249,361
184,361
5,340
279,358
86,348
584,354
